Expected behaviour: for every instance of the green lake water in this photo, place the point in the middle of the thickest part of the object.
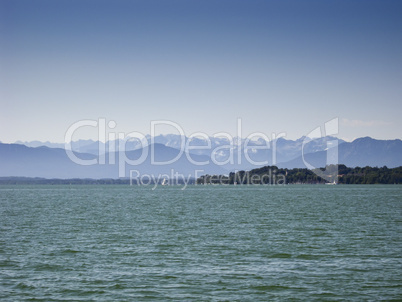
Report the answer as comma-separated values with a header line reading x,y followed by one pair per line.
x,y
204,243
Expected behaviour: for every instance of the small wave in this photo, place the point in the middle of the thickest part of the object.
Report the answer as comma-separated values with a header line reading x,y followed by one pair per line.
x,y
280,255
270,287
70,251
308,257
21,285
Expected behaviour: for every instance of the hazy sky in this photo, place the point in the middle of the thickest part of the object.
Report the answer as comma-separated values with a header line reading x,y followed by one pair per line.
x,y
280,66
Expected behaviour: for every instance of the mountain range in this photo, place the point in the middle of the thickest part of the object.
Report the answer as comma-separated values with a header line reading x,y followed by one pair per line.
x,y
49,160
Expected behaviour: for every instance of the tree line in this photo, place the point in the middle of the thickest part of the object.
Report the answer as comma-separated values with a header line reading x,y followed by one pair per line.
x,y
333,173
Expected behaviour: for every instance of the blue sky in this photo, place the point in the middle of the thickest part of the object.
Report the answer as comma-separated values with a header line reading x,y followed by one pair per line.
x,y
280,66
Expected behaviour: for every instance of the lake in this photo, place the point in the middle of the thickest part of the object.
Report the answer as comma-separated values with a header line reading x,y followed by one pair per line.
x,y
204,243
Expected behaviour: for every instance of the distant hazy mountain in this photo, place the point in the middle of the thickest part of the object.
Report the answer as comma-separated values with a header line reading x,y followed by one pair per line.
x,y
35,144
20,160
220,149
361,152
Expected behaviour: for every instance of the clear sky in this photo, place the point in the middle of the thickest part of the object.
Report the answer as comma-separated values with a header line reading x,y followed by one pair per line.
x,y
280,66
